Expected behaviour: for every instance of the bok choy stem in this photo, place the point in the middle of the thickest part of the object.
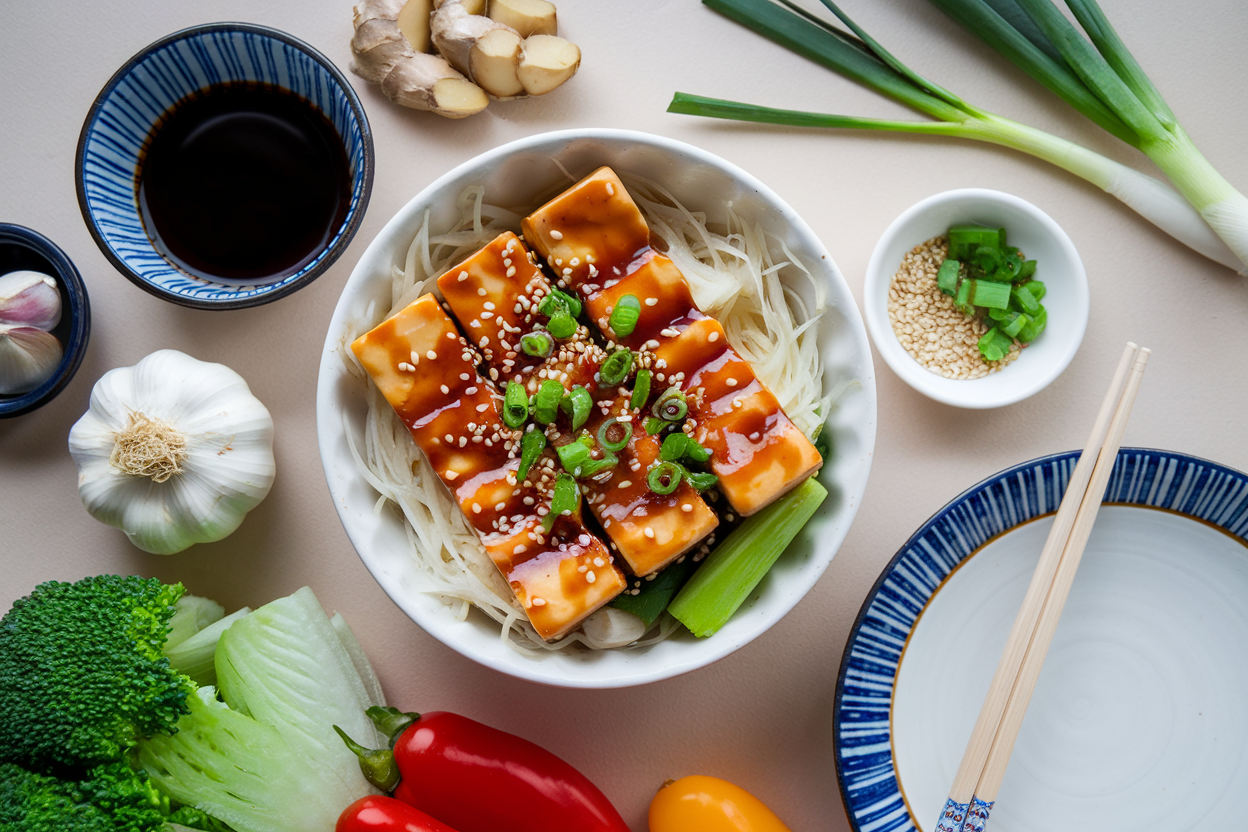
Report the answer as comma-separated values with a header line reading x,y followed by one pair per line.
x,y
1207,213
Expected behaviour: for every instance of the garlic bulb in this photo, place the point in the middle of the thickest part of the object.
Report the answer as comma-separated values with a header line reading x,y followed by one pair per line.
x,y
30,305
173,451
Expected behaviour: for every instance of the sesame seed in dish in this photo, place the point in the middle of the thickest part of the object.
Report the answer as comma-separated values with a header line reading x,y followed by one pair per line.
x,y
928,323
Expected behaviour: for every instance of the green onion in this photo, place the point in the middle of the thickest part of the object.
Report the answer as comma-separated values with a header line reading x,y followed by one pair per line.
x,y
701,480
964,239
561,325
577,404
1024,299
732,571
1027,269
947,277
656,593
546,402
823,442
531,446
573,455
1034,287
1013,322
1100,79
566,498
537,344
624,316
994,345
671,406
616,368
614,434
1033,328
664,477
674,446
559,301
641,390
515,405
990,294
655,425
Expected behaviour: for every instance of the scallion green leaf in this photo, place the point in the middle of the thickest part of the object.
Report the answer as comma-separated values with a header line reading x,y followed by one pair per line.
x,y
577,404
515,405
641,390
616,368
614,434
664,477
531,446
624,316
546,402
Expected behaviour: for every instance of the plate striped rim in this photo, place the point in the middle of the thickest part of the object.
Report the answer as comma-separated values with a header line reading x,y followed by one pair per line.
x,y
861,725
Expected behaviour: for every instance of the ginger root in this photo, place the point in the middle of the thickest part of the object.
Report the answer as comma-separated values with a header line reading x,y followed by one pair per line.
x,y
510,53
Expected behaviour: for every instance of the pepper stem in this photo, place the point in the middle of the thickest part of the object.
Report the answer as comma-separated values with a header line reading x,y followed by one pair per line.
x,y
391,721
377,764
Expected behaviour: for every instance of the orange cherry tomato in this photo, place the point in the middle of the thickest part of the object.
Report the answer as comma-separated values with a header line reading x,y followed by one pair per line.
x,y
708,804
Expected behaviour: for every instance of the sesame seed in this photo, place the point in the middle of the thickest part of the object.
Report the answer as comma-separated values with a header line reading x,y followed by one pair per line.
x,y
648,532
481,408
713,337
556,235
686,507
462,277
481,292
451,475
520,549
431,355
731,382
463,376
610,189
476,508
590,577
539,602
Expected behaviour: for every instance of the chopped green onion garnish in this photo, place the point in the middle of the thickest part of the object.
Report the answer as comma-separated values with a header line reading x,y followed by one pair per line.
x,y
531,446
989,294
641,390
987,259
573,455
577,404
730,573
558,301
624,316
561,325
593,466
537,344
701,480
1035,287
616,368
546,402
963,239
515,405
566,498
1013,323
947,277
1027,269
1029,332
963,297
671,406
1025,300
674,447
655,425
614,434
664,477
994,345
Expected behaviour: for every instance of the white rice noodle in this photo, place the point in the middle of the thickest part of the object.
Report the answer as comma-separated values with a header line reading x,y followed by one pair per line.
x,y
734,274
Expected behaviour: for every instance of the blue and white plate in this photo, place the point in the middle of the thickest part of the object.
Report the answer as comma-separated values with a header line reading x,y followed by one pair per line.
x,y
1140,718
134,100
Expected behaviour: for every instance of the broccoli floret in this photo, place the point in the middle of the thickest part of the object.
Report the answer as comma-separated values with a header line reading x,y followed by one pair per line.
x,y
111,797
82,676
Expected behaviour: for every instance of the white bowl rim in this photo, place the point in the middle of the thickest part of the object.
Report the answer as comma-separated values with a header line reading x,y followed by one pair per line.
x,y
950,391
725,642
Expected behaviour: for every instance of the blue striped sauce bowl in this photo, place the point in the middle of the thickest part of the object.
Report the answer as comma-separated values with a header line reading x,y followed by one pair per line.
x,y
134,105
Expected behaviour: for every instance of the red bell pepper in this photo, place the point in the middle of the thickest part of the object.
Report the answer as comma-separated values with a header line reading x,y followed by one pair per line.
x,y
385,814
481,779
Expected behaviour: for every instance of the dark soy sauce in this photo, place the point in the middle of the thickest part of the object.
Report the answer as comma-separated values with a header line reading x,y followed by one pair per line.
x,y
243,183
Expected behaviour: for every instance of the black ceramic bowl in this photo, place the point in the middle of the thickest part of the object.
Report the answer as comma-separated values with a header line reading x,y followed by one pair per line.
x,y
21,249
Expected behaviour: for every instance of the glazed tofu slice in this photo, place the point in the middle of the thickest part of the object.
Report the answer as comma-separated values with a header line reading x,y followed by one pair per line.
x,y
495,293
595,237
428,374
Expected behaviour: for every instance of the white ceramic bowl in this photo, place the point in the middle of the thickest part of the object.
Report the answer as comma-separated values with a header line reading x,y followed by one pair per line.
x,y
515,175
1057,265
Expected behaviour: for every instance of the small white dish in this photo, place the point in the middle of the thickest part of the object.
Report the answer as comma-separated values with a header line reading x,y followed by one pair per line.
x,y
1058,266
519,175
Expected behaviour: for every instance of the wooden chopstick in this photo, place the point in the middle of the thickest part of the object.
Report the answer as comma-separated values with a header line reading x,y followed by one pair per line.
x,y
972,794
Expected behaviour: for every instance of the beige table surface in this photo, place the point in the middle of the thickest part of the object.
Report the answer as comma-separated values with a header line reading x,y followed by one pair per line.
x,y
761,717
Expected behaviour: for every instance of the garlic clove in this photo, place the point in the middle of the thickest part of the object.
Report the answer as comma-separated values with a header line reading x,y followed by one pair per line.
x,y
28,358
29,299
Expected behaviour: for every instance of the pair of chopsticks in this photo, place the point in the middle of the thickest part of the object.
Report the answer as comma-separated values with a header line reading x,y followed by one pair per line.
x,y
987,753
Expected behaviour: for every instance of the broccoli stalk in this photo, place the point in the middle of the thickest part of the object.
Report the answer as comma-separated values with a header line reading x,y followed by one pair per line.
x,y
82,675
